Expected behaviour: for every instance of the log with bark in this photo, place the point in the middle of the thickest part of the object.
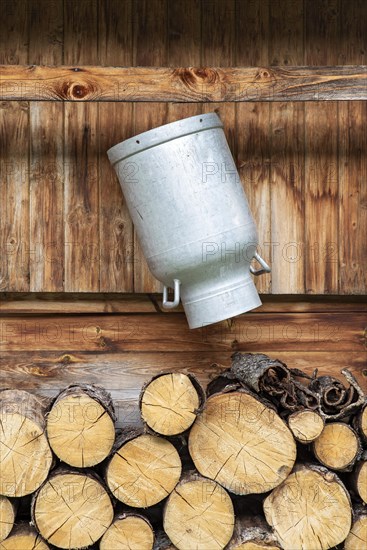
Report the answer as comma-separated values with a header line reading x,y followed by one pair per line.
x,y
306,425
170,402
252,533
360,423
241,442
311,509
338,447
143,470
357,538
128,531
24,537
72,509
359,478
198,514
25,454
8,510
79,410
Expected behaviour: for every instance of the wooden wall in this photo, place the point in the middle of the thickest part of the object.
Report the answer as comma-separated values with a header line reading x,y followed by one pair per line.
x,y
64,225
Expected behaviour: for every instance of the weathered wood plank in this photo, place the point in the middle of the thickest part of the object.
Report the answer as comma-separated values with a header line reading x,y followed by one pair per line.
x,y
82,244
14,161
287,156
66,302
127,372
46,156
150,24
252,126
321,164
115,125
80,82
160,332
353,159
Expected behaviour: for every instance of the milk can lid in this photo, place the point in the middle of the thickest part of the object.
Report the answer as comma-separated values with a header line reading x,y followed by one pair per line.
x,y
163,134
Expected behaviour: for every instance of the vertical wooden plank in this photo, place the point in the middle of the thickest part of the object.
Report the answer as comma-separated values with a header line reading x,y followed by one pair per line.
x,y
46,156
321,171
183,48
81,156
353,157
252,129
218,50
14,157
287,155
115,125
150,48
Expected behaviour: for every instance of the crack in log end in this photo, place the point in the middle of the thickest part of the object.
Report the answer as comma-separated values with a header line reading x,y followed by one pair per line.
x,y
203,82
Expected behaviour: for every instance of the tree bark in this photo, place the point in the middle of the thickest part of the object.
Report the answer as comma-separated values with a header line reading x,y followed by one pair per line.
x,y
252,533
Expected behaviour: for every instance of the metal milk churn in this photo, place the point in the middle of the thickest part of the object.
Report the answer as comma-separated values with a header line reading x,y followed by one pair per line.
x,y
192,217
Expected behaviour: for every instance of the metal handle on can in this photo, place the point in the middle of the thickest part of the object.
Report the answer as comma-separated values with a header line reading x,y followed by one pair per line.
x,y
167,304
264,265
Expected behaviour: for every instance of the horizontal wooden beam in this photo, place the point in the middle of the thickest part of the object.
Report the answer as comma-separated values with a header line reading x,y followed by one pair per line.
x,y
41,83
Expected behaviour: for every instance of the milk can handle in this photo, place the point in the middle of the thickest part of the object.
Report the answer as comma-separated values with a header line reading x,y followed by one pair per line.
x,y
264,265
167,304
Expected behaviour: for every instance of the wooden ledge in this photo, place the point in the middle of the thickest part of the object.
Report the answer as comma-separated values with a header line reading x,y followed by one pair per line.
x,y
162,84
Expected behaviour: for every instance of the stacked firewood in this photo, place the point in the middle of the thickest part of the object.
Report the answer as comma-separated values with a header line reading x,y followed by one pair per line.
x,y
268,457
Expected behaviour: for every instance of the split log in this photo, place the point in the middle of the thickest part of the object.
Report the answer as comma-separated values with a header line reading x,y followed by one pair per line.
x,y
357,538
7,516
252,533
128,531
25,455
305,425
143,470
24,537
169,403
359,479
338,447
198,514
81,425
242,443
311,509
72,509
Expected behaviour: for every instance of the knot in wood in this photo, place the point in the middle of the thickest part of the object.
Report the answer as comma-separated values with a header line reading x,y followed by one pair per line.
x,y
78,91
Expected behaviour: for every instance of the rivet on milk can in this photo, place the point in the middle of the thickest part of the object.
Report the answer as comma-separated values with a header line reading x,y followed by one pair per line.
x,y
192,217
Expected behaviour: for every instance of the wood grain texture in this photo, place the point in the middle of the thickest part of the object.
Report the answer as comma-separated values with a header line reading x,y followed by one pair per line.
x,y
150,48
101,333
14,157
321,172
46,156
353,159
252,126
287,156
115,125
80,82
82,243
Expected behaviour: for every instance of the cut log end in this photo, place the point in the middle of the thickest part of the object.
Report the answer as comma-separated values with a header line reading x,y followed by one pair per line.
x,y
143,471
298,524
24,537
306,426
72,509
7,517
357,538
77,414
25,455
199,515
128,531
360,480
337,447
170,402
241,443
